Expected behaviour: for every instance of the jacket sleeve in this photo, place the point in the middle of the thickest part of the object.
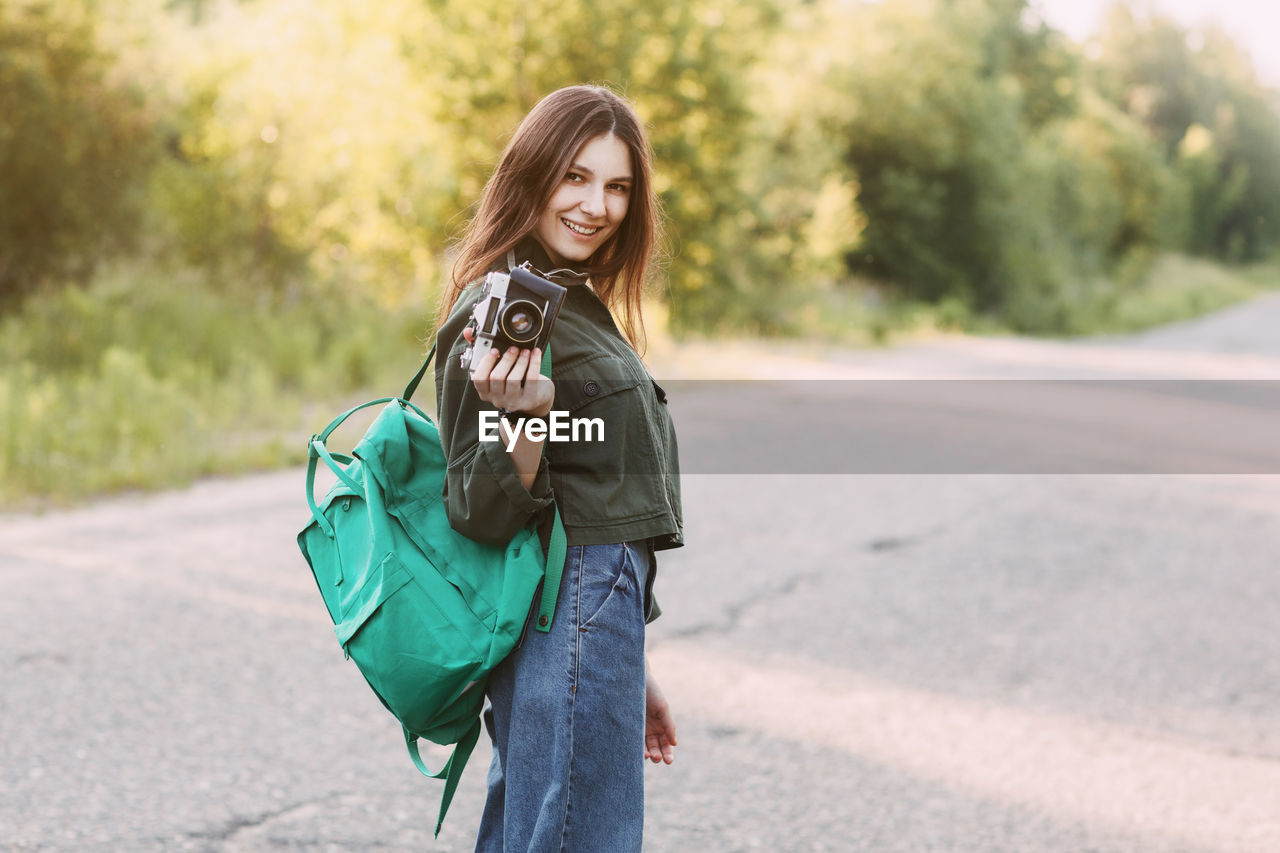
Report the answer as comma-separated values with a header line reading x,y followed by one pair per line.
x,y
483,494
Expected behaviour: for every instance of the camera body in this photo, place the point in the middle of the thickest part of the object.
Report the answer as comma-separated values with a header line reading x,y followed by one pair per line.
x,y
518,309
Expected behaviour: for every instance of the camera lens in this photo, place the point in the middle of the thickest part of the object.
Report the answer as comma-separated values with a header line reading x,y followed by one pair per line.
x,y
521,321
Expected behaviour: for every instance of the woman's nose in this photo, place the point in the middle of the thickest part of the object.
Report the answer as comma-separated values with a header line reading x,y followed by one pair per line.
x,y
593,202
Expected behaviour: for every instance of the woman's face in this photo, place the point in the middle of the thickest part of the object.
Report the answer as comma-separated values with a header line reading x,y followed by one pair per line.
x,y
590,202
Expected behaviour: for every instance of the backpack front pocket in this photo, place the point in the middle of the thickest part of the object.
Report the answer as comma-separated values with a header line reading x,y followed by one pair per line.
x,y
413,639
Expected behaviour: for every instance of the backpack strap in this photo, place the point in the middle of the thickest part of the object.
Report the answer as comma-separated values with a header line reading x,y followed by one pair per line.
x,y
557,551
557,547
452,770
417,377
319,451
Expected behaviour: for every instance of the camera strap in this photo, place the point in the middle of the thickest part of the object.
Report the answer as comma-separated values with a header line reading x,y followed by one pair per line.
x,y
511,264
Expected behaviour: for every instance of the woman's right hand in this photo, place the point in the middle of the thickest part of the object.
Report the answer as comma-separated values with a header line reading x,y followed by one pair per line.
x,y
659,725
512,380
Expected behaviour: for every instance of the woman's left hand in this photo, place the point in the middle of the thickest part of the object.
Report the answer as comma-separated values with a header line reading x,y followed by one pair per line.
x,y
512,379
659,726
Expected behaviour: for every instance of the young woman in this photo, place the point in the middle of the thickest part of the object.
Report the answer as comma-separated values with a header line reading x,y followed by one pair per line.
x,y
573,712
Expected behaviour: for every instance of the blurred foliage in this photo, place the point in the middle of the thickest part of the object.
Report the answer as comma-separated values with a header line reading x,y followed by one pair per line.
x,y
256,200
681,64
988,174
1199,97
932,130
75,142
955,150
141,380
302,148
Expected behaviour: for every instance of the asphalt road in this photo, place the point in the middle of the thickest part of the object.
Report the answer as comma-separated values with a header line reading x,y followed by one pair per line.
x,y
950,659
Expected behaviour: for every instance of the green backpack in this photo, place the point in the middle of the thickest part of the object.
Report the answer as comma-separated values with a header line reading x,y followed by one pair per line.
x,y
425,612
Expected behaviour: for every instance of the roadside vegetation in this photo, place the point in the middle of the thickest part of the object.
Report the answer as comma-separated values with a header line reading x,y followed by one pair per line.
x,y
219,221
146,380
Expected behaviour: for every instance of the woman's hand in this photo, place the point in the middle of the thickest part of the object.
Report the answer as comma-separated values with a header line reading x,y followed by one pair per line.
x,y
659,727
512,380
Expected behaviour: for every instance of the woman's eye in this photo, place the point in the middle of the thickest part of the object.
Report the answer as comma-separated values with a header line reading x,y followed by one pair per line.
x,y
573,176
621,188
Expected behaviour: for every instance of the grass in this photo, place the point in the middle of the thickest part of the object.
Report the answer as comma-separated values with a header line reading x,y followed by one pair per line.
x,y
1172,288
146,380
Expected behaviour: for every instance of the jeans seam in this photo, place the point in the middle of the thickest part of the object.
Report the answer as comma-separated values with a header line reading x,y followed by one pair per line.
x,y
573,695
577,616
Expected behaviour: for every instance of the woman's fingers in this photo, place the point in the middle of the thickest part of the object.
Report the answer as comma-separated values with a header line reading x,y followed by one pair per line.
x,y
497,380
539,393
503,369
534,370
515,379
658,749
487,376
500,380
652,750
659,724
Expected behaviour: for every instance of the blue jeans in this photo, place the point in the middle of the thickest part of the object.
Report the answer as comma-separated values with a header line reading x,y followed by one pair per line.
x,y
567,715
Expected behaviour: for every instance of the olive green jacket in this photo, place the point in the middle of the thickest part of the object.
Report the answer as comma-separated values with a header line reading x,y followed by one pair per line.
x,y
624,488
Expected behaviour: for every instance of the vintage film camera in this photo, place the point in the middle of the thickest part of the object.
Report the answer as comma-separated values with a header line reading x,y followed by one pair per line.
x,y
515,309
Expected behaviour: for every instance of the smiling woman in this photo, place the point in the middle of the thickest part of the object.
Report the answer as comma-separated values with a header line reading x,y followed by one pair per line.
x,y
593,170
586,208
573,711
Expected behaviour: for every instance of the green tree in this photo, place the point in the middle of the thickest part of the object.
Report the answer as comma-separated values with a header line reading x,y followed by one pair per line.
x,y
682,64
935,135
1197,93
304,154
74,146
985,170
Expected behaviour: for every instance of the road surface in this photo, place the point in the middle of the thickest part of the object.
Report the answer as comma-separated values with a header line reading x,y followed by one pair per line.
x,y
964,659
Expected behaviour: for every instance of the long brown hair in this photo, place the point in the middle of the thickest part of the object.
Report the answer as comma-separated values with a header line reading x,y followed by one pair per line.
x,y
532,167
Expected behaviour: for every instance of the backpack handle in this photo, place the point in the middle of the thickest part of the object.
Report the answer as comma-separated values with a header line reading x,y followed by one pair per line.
x,y
452,770
417,377
318,448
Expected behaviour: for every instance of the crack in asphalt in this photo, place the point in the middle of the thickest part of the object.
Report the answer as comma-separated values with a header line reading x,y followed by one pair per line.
x,y
891,543
734,612
40,657
228,831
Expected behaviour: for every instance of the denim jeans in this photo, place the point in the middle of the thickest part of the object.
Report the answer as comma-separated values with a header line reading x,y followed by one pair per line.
x,y
567,715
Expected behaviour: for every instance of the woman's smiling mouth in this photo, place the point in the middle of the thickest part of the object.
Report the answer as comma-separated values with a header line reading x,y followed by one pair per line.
x,y
581,230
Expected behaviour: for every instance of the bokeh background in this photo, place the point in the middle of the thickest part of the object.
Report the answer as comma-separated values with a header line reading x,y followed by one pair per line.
x,y
218,221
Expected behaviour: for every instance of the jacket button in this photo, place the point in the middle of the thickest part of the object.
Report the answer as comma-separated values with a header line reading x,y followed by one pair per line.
x,y
542,621
590,388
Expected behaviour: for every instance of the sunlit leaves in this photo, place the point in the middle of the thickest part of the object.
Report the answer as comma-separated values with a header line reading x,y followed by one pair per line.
x,y
683,66
1198,95
950,149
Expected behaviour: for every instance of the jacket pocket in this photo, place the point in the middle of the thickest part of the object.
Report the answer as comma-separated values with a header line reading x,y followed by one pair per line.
x,y
608,432
609,472
608,585
588,382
